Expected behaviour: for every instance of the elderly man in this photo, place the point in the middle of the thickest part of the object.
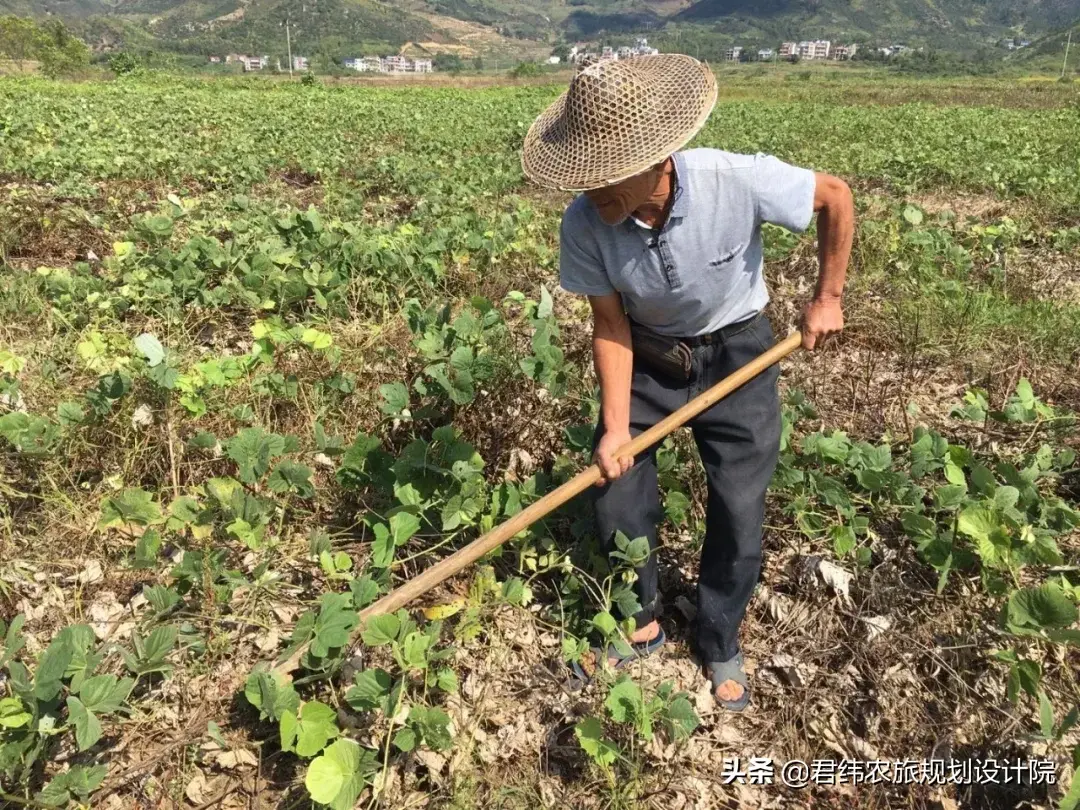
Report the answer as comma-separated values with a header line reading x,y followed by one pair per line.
x,y
667,246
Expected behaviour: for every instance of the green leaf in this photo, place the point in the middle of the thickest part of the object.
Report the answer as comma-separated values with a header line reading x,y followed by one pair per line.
x,y
414,649
681,718
949,496
70,414
132,505
272,694
605,623
288,476
51,668
253,449
381,630
843,538
79,781
317,725
1046,716
105,694
1028,674
87,726
364,591
624,701
403,525
955,475
382,547
337,777
1006,497
977,522
1071,800
1042,607
371,686
406,739
150,348
334,624
395,398
590,735
13,714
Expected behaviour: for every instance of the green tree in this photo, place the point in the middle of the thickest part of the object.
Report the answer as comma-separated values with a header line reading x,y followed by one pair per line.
x,y
20,39
61,53
123,63
449,62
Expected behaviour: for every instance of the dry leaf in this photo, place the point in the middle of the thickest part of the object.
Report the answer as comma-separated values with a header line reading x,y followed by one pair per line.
x,y
877,625
91,573
196,789
241,757
143,417
836,578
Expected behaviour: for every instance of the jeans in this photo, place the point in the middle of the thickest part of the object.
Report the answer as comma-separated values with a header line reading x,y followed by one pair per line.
x,y
738,439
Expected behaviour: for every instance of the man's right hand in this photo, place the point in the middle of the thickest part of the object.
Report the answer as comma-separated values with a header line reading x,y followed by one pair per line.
x,y
610,467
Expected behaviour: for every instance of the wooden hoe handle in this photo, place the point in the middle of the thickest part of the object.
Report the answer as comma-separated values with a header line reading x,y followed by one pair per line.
x,y
467,555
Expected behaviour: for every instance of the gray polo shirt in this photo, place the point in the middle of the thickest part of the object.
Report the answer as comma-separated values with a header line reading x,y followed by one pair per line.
x,y
703,270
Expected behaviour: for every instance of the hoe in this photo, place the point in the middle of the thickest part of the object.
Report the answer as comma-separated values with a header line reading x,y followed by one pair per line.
x,y
469,554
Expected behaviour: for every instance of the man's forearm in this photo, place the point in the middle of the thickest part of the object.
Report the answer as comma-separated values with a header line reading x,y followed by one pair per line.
x,y
614,360
836,230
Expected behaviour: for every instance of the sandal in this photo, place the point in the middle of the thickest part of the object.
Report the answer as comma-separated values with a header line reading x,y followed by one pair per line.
x,y
639,649
721,671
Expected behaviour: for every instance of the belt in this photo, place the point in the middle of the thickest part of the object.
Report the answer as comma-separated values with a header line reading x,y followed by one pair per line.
x,y
722,334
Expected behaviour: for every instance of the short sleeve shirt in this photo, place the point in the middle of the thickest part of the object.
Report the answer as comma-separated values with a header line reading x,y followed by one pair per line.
x,y
704,268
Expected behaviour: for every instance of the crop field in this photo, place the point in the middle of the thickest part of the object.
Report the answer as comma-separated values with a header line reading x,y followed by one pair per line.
x,y
268,351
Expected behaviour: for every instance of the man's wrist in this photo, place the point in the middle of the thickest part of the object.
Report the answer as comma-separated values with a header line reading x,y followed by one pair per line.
x,y
827,298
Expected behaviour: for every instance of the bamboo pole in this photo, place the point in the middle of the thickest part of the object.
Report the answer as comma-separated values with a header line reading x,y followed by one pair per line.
x,y
466,556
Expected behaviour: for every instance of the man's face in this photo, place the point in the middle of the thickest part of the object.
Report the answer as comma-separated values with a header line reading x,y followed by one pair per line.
x,y
615,203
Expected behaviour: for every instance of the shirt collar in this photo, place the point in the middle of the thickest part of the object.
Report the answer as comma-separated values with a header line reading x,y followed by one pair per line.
x,y
680,206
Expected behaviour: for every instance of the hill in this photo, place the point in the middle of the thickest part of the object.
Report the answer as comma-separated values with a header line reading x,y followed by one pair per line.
x,y
704,27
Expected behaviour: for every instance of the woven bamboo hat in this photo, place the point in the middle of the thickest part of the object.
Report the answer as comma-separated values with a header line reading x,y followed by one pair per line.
x,y
617,119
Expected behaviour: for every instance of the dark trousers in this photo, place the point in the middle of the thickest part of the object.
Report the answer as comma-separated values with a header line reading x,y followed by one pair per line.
x,y
739,441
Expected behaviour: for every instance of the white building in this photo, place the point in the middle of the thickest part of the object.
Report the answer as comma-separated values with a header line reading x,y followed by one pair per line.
x,y
733,54
816,49
553,60
789,50
299,63
421,66
397,64
844,52
641,48
766,55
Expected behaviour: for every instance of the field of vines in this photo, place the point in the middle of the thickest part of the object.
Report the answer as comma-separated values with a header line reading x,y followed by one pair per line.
x,y
268,351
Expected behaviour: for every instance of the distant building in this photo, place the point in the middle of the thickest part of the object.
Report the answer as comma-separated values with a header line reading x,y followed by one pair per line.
x,y
397,64
421,66
816,49
215,60
733,54
299,63
766,55
553,60
789,50
625,52
641,48
844,52
247,62
607,52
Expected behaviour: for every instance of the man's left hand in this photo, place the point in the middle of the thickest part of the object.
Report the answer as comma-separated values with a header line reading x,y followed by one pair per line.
x,y
821,318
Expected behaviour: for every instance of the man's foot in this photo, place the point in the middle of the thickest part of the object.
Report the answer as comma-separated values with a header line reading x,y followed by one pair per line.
x,y
642,635
729,690
729,682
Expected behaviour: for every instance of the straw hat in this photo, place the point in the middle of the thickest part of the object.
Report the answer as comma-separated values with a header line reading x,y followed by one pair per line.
x,y
617,119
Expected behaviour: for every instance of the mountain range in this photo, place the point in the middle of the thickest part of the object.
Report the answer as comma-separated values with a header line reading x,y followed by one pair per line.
x,y
532,27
